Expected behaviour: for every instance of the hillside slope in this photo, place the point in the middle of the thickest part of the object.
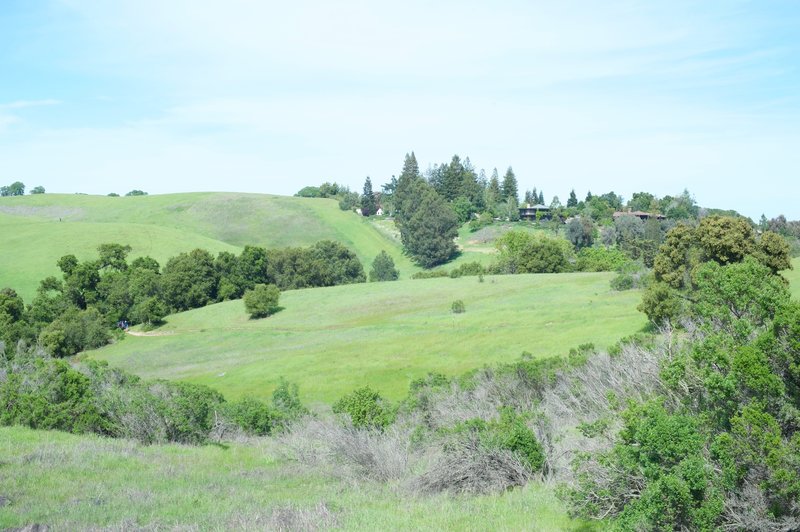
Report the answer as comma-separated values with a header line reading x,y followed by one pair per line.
x,y
70,482
332,340
39,229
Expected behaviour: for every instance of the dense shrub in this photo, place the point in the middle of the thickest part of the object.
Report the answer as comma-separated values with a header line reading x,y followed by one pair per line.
x,y
431,274
522,252
468,269
600,259
509,433
251,415
366,408
383,269
262,300
43,393
286,402
458,307
75,331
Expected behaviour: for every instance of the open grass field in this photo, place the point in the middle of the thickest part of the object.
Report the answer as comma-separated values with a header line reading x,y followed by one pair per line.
x,y
35,231
332,340
72,482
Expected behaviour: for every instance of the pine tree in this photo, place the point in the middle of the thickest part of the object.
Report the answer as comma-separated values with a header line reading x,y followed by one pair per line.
x,y
510,185
406,194
573,199
368,204
428,235
541,198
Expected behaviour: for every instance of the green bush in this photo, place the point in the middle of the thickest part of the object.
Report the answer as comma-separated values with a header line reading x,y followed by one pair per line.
x,y
262,300
286,402
75,331
366,409
251,415
509,433
431,274
44,393
467,269
458,307
383,269
600,259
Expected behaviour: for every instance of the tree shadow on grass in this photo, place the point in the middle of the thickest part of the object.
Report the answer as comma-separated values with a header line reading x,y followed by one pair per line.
x,y
273,311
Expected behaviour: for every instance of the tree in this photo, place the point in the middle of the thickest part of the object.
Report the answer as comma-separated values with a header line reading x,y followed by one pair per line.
x,y
641,201
16,188
428,235
493,195
522,252
383,268
190,280
408,190
580,232
136,193
725,239
773,252
37,190
573,199
114,256
510,185
368,204
262,300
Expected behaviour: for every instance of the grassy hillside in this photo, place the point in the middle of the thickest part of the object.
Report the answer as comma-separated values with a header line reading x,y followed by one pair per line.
x,y
332,340
42,228
76,482
794,277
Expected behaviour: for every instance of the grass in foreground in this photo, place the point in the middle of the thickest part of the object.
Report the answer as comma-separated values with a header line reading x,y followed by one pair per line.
x,y
332,340
74,482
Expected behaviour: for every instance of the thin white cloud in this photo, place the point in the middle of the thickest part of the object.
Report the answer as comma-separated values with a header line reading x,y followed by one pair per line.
x,y
270,96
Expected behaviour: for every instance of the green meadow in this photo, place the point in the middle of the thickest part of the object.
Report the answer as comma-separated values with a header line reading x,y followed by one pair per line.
x,y
73,482
332,340
36,230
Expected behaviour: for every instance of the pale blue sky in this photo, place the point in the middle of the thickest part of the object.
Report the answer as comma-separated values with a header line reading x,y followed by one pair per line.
x,y
243,95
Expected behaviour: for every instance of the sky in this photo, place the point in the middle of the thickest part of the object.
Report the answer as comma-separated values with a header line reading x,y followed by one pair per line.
x,y
264,96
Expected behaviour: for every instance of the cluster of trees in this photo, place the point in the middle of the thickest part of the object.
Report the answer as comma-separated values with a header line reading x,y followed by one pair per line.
x,y
720,240
717,446
77,312
17,188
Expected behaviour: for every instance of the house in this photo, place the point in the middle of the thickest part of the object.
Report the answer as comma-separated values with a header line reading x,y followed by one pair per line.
x,y
534,212
639,214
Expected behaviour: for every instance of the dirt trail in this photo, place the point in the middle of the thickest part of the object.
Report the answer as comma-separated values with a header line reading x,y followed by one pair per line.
x,y
151,333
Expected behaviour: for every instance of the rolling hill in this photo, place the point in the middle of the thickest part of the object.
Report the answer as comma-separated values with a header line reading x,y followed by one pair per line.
x,y
332,340
39,229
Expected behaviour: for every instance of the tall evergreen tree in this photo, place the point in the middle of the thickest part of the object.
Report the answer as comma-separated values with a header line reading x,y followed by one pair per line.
x,y
573,199
368,204
406,194
428,234
541,198
510,185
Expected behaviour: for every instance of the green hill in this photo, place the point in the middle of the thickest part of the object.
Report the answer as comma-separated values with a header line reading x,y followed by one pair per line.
x,y
332,340
35,231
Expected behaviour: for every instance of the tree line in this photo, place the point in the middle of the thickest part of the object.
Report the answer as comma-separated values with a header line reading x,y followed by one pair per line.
x,y
78,311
